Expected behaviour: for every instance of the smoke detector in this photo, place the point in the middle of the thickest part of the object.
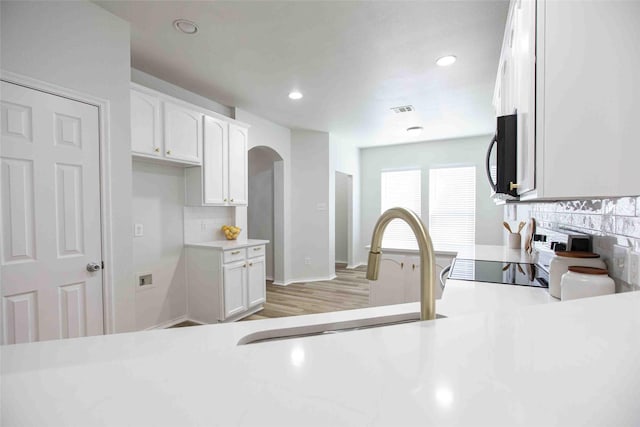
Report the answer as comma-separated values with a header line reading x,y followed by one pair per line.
x,y
403,109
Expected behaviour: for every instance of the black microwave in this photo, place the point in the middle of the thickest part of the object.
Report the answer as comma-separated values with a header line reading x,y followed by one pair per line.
x,y
502,167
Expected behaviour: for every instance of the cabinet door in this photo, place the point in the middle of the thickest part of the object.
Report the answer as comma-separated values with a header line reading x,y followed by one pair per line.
x,y
389,288
238,140
234,286
256,282
182,133
524,60
145,124
214,164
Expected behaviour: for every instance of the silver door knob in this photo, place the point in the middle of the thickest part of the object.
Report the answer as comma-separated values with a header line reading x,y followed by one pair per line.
x,y
93,267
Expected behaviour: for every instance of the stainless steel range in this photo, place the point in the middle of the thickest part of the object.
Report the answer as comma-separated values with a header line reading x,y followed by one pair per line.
x,y
547,241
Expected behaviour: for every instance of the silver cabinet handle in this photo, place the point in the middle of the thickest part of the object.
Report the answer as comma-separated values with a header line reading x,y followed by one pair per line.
x,y
250,264
257,249
235,252
92,267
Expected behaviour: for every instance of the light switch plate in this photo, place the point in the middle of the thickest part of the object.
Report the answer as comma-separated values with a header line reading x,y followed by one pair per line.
x,y
138,230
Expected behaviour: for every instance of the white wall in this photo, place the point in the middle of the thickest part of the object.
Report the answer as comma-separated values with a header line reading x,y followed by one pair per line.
x,y
165,87
425,155
260,214
158,200
312,206
278,138
343,182
80,46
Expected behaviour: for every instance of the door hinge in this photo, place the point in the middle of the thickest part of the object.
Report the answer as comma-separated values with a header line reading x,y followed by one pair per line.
x,y
102,264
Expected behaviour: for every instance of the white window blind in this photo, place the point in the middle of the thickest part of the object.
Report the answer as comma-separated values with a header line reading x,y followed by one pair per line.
x,y
452,206
400,189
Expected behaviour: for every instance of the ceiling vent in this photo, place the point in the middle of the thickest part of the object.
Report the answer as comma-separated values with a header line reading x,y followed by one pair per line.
x,y
403,109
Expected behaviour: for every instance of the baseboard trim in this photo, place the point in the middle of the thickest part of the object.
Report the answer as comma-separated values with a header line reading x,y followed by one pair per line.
x,y
168,323
341,262
354,266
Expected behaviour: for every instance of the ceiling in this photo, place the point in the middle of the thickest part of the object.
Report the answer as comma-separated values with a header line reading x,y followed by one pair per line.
x,y
352,60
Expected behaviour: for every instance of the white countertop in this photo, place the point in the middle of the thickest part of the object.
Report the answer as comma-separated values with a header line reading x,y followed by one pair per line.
x,y
228,244
493,362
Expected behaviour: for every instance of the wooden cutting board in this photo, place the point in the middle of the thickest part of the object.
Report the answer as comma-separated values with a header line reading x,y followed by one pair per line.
x,y
528,237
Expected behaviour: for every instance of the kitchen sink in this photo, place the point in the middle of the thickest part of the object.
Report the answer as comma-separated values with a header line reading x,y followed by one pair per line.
x,y
329,328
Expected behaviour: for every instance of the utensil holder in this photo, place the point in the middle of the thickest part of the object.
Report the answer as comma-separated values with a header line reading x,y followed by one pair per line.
x,y
515,241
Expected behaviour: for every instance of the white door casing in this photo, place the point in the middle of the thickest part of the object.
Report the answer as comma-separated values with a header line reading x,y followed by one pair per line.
x,y
50,216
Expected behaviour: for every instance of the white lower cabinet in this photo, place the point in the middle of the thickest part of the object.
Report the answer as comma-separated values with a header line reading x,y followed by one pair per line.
x,y
399,279
225,285
256,281
234,277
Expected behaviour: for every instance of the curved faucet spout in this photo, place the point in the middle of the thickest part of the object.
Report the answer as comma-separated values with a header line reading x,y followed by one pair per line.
x,y
427,256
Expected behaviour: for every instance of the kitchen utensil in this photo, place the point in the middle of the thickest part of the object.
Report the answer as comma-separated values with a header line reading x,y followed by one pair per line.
x,y
583,282
561,262
521,226
507,226
528,239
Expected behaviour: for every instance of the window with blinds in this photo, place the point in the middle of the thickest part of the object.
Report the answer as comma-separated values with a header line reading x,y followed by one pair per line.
x,y
400,189
452,205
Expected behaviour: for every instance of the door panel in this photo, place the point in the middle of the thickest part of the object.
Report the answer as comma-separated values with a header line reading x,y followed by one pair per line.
x,y
256,282
234,283
237,165
182,133
50,189
145,124
214,163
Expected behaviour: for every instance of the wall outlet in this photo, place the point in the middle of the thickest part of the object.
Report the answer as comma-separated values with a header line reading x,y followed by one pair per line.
x,y
203,226
634,268
618,267
307,261
145,279
138,230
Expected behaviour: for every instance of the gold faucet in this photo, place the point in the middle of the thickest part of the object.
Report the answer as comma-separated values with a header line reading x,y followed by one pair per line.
x,y
427,256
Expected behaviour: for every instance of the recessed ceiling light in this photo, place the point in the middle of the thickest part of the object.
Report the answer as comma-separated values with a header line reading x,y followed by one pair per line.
x,y
414,130
295,95
185,26
445,61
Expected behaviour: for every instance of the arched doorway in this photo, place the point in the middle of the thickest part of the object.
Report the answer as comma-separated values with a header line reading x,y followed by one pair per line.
x,y
265,213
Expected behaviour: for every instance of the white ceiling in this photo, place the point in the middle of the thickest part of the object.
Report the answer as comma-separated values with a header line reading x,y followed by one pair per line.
x,y
353,61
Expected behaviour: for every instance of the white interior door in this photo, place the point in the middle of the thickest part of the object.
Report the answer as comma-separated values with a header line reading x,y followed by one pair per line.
x,y
50,187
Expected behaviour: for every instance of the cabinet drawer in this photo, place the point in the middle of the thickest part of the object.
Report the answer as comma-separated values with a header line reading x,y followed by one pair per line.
x,y
255,251
235,255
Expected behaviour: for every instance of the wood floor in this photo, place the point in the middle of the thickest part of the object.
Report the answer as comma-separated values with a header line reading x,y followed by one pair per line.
x,y
347,291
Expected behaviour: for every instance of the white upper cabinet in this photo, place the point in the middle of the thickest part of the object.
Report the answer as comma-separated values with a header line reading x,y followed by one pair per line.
x,y
524,66
145,124
182,132
238,141
222,180
576,95
215,165
164,129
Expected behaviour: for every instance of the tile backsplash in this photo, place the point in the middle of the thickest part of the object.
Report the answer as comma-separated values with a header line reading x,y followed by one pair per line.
x,y
203,224
614,225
